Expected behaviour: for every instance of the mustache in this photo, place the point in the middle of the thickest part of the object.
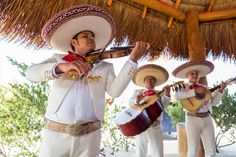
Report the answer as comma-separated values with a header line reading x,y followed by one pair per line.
x,y
91,42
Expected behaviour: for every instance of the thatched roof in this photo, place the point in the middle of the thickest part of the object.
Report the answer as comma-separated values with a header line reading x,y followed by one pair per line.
x,y
24,19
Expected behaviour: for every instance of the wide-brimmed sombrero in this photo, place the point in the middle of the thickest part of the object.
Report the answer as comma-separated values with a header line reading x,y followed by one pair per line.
x,y
60,29
202,66
153,70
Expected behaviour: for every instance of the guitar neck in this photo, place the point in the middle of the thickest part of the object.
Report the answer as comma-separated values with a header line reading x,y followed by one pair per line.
x,y
214,88
171,85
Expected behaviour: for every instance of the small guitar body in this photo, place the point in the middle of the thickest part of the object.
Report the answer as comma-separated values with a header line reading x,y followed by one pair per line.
x,y
193,104
139,117
133,121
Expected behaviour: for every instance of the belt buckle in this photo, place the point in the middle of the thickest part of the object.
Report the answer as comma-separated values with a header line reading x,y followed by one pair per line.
x,y
76,130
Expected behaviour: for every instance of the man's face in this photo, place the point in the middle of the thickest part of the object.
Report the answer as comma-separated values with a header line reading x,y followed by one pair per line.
x,y
84,42
193,76
150,82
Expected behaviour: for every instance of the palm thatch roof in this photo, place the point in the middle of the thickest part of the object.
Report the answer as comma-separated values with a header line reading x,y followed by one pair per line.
x,y
147,20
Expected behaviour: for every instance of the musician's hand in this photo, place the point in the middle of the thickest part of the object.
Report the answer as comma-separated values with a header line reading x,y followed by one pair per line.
x,y
139,50
80,67
222,87
167,91
139,98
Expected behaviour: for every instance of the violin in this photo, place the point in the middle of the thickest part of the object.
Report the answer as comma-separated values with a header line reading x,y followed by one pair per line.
x,y
114,52
95,56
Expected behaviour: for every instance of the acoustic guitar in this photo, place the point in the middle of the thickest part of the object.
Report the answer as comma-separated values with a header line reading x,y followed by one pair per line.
x,y
139,117
193,104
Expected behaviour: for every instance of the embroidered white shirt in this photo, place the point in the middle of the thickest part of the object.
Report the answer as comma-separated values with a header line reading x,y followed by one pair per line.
x,y
77,105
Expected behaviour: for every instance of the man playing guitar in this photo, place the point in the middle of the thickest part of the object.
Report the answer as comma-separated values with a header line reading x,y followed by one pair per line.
x,y
198,124
150,76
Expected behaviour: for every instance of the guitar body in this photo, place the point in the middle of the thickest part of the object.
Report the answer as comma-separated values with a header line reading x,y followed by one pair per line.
x,y
138,118
193,104
135,120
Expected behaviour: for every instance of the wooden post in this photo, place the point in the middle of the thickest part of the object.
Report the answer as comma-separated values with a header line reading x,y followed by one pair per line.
x,y
182,142
196,44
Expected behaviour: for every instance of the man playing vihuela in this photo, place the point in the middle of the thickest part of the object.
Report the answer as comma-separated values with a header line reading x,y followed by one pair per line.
x,y
150,76
76,103
199,123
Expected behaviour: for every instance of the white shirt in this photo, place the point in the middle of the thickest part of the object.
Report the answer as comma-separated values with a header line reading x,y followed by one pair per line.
x,y
77,105
203,109
79,110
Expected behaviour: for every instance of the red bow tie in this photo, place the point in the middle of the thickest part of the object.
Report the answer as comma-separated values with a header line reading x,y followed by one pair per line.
x,y
73,57
149,92
194,85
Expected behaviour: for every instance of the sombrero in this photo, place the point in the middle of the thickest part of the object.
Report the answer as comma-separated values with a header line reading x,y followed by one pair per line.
x,y
60,29
202,66
153,70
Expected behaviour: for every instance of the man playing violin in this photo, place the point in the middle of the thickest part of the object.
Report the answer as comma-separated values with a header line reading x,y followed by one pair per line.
x,y
199,124
76,104
150,76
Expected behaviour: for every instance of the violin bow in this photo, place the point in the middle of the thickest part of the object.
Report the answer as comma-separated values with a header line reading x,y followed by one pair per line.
x,y
99,55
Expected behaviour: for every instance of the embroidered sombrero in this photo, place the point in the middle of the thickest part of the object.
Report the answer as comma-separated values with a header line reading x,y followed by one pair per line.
x,y
153,70
60,29
202,66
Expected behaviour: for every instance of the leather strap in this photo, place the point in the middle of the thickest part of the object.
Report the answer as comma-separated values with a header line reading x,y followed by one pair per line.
x,y
201,114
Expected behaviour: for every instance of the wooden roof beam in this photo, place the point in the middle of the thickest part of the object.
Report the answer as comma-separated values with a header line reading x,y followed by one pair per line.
x,y
171,18
217,15
163,7
211,5
144,12
109,2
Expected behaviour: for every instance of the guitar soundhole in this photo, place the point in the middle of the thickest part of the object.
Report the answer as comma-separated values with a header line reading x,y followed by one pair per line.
x,y
200,96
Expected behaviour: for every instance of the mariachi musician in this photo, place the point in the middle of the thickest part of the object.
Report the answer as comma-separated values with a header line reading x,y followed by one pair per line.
x,y
150,76
199,124
76,104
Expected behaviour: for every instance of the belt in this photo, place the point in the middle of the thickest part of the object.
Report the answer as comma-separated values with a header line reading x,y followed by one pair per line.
x,y
199,114
73,129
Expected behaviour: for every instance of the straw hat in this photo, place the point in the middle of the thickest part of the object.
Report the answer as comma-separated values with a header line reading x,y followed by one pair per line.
x,y
60,29
158,72
202,66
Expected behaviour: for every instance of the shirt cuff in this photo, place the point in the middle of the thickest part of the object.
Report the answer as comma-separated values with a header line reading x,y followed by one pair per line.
x,y
219,93
54,72
132,63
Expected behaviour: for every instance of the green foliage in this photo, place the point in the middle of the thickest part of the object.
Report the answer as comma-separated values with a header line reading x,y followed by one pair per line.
x,y
112,136
21,116
22,107
21,66
225,118
176,113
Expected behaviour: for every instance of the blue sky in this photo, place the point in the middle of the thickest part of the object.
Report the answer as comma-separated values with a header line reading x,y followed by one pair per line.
x,y
222,71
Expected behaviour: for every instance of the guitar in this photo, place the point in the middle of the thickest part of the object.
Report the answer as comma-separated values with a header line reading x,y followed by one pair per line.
x,y
138,118
193,104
